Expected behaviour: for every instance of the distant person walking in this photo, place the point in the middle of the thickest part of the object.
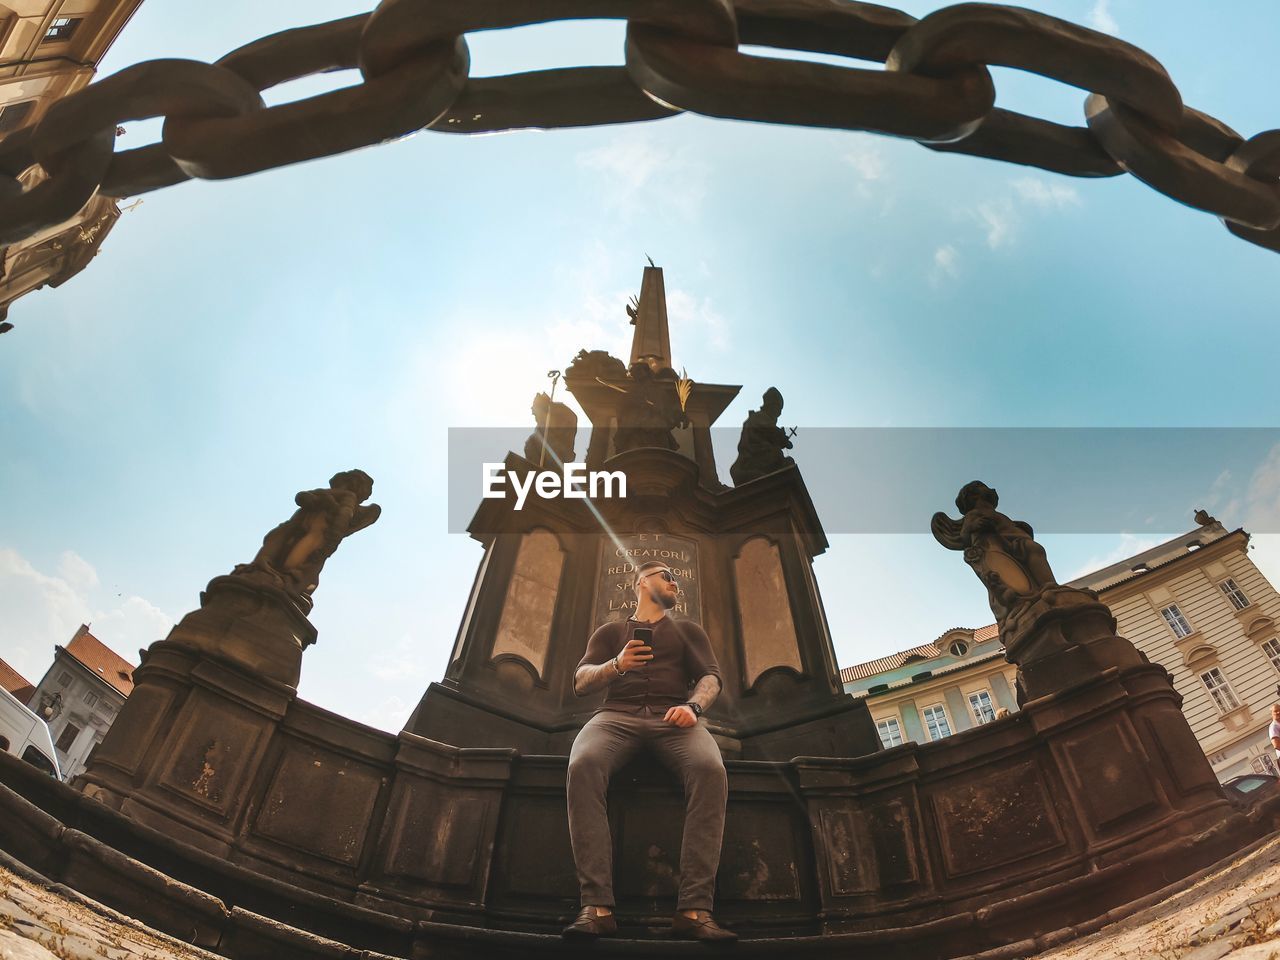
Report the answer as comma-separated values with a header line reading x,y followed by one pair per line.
x,y
1274,731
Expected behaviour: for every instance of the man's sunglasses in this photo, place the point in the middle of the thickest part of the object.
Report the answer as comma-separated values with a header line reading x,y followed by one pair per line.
x,y
666,575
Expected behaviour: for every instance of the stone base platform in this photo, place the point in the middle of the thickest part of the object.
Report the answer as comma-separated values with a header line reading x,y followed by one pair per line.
x,y
1228,912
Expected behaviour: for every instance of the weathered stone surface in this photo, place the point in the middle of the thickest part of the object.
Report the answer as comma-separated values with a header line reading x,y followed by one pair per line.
x,y
14,947
39,923
36,919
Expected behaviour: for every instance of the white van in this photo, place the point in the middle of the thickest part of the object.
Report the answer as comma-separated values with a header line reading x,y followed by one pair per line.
x,y
26,736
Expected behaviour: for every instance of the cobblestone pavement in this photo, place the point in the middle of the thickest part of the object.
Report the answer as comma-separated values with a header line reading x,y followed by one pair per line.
x,y
1233,912
39,923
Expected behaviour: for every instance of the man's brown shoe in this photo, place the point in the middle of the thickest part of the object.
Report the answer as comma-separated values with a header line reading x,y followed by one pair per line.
x,y
590,926
704,928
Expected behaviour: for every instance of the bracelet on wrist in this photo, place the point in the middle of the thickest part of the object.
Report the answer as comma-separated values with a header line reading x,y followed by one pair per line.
x,y
618,670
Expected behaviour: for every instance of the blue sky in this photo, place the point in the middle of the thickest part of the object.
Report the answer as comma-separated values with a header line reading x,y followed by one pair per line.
x,y
236,342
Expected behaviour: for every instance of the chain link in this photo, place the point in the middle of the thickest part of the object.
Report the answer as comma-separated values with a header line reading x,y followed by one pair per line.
x,y
681,55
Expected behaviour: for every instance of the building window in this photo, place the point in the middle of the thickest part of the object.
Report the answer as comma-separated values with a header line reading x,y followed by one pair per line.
x,y
1234,594
64,678
1220,690
61,29
959,648
90,698
67,737
1265,763
890,732
1177,622
13,115
935,720
1272,649
983,710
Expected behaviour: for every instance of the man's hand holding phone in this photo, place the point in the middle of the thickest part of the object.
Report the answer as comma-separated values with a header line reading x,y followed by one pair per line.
x,y
636,653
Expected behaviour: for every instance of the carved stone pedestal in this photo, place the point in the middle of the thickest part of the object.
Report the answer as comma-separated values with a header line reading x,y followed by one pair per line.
x,y
246,621
1065,638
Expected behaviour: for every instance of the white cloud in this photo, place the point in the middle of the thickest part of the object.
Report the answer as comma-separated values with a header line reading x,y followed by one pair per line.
x,y
868,160
1260,509
641,176
401,661
946,262
696,318
1100,17
389,714
487,373
1127,546
77,571
998,220
43,609
1256,508
1046,194
132,625
1218,490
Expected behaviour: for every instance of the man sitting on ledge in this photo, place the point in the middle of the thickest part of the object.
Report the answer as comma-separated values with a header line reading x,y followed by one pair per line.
x,y
650,704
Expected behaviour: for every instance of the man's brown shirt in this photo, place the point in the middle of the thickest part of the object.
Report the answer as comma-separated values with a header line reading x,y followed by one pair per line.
x,y
681,657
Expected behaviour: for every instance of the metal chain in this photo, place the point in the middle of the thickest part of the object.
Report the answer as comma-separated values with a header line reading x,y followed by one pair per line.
x,y
681,55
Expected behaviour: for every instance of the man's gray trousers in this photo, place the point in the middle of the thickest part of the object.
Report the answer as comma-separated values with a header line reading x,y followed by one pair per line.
x,y
602,747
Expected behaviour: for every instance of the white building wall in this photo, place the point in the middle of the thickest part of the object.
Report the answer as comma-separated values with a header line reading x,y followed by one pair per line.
x,y
92,720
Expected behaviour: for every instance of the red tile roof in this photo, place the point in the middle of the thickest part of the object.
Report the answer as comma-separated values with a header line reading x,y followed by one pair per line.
x,y
16,683
860,671
102,660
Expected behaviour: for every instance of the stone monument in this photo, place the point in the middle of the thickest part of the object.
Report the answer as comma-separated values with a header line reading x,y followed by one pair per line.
x,y
556,569
235,815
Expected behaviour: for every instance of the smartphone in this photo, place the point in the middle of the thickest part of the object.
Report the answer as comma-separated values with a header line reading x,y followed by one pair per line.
x,y
645,636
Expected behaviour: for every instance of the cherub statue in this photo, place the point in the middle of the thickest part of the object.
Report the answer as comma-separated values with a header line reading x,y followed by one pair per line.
x,y
650,410
762,441
295,551
559,424
1002,552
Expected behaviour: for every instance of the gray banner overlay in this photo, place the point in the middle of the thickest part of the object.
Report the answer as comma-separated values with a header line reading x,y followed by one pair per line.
x,y
1060,480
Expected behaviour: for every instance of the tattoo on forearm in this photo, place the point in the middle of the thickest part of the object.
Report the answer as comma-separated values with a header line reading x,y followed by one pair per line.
x,y
705,692
591,677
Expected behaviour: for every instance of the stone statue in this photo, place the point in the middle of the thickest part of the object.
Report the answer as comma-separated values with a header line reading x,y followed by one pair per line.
x,y
1204,518
293,554
1057,635
1002,552
762,441
649,411
559,424
589,364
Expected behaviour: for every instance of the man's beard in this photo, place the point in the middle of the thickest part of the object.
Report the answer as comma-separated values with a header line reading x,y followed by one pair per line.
x,y
663,599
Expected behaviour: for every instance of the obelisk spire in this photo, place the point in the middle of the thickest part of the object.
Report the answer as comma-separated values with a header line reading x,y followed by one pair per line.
x,y
651,342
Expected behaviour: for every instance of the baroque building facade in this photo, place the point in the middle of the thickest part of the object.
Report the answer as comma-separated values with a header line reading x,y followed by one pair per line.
x,y
1196,604
79,697
49,49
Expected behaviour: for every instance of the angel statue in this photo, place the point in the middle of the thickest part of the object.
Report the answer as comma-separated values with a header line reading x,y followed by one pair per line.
x,y
1002,552
294,552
